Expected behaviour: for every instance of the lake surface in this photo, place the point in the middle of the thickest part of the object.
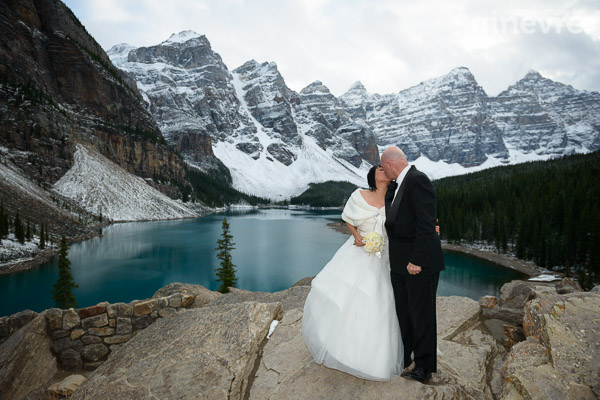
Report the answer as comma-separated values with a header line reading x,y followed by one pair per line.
x,y
274,249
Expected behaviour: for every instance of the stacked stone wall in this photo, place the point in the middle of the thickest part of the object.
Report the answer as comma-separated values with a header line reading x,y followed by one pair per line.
x,y
83,338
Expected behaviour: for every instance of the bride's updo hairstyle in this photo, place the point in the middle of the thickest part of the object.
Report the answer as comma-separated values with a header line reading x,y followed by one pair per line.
x,y
371,178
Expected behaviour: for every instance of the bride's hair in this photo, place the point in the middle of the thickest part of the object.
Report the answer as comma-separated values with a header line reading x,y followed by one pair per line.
x,y
371,178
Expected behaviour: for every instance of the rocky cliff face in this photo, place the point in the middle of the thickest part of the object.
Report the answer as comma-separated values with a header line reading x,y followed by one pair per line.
x,y
451,118
59,88
446,118
537,114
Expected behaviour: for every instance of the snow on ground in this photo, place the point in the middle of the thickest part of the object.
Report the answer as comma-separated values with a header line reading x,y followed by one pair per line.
x,y
101,186
11,251
441,169
545,278
14,178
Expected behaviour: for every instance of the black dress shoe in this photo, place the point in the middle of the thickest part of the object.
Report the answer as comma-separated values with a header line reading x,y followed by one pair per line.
x,y
419,374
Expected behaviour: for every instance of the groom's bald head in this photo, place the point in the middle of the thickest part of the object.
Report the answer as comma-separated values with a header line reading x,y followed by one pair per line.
x,y
393,161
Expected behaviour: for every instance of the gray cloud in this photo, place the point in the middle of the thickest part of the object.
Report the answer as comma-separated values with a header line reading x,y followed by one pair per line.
x,y
389,45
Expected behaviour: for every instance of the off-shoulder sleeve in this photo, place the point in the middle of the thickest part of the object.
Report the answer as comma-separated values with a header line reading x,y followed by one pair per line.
x,y
352,210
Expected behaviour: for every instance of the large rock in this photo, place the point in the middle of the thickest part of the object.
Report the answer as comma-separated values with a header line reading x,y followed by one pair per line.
x,y
560,357
26,361
454,315
568,285
202,295
67,386
512,299
287,370
205,353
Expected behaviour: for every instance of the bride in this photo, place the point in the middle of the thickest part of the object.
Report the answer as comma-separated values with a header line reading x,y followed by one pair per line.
x,y
350,321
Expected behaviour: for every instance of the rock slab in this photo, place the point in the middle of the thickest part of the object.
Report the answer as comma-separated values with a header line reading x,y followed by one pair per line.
x,y
287,370
205,353
560,357
26,361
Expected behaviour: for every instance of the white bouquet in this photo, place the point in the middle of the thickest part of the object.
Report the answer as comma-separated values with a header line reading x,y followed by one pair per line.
x,y
373,243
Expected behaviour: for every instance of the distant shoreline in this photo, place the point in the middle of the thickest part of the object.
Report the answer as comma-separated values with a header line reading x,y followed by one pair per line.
x,y
504,260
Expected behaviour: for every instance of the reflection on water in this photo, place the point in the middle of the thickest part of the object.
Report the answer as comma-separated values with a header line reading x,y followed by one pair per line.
x,y
274,249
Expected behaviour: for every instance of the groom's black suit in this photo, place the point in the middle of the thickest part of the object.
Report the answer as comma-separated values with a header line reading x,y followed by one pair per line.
x,y
410,224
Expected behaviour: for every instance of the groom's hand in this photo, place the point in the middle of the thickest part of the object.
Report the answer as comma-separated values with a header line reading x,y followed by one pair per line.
x,y
413,269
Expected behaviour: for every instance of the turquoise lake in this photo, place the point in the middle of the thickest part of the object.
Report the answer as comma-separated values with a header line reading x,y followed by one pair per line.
x,y
274,249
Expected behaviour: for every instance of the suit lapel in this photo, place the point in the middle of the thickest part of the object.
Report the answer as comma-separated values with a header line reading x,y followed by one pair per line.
x,y
393,209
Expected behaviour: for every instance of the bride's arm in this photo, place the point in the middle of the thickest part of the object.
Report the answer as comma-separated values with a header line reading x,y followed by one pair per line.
x,y
358,239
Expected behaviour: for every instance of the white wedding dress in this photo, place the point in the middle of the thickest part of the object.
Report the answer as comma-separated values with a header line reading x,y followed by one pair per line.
x,y
350,321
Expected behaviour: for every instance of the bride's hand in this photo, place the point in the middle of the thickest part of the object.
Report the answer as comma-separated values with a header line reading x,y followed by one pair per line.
x,y
358,241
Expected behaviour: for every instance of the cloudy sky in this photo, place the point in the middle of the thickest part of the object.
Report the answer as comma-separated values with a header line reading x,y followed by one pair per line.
x,y
388,45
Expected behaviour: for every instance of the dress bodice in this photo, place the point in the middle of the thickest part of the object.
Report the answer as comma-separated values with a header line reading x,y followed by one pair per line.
x,y
365,217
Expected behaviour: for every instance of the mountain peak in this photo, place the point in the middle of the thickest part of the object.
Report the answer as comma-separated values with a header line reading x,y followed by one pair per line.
x,y
184,36
462,72
532,74
357,87
315,87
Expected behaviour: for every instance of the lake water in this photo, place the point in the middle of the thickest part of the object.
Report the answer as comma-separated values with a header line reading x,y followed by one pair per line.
x,y
274,249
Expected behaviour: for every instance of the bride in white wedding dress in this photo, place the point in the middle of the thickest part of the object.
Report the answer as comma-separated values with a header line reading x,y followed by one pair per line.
x,y
350,321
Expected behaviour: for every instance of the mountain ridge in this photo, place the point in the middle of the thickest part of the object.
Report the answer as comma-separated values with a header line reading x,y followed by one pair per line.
x,y
445,125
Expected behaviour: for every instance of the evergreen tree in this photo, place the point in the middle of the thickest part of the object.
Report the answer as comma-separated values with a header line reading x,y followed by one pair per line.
x,y
19,229
537,210
42,244
28,234
3,227
62,293
226,272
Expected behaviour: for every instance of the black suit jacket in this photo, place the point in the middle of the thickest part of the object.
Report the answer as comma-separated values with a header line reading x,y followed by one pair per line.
x,y
410,224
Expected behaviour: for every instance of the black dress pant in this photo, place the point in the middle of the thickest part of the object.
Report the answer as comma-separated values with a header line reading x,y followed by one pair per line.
x,y
415,307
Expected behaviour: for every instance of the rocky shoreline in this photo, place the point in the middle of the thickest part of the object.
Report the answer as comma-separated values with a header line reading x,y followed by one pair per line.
x,y
40,256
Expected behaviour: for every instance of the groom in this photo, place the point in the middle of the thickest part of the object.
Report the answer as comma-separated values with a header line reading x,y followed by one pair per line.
x,y
415,258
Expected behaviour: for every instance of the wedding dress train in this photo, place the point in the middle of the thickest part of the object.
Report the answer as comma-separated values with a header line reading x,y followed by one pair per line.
x,y
349,320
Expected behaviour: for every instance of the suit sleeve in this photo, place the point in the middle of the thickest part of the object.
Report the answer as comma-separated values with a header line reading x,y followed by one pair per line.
x,y
423,203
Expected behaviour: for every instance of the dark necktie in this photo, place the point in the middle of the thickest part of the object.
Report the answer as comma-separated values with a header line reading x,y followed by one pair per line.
x,y
391,191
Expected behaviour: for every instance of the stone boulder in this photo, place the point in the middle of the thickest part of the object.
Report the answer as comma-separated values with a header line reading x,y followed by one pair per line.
x,y
204,353
568,285
202,295
512,299
559,359
287,370
67,386
26,361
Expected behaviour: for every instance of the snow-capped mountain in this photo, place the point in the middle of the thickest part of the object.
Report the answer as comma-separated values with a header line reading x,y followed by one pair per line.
x,y
537,114
445,118
451,119
275,141
102,187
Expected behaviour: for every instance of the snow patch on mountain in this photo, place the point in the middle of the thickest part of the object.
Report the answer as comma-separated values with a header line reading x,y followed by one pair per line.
x,y
101,186
182,37
267,177
119,52
22,186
